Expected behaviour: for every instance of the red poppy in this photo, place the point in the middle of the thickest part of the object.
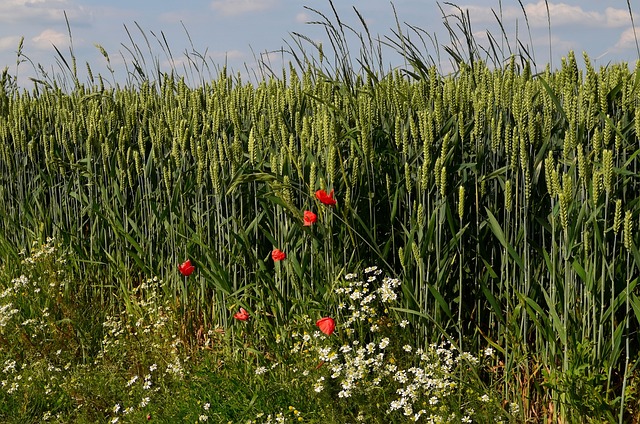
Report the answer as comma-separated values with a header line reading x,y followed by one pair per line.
x,y
243,315
325,198
309,218
186,268
278,255
326,325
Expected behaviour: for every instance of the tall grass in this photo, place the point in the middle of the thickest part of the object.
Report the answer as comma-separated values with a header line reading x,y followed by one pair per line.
x,y
505,200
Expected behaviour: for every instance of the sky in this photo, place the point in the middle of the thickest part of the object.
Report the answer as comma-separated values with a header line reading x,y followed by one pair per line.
x,y
241,33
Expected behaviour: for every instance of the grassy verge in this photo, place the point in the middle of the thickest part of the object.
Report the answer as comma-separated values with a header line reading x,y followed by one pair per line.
x,y
64,360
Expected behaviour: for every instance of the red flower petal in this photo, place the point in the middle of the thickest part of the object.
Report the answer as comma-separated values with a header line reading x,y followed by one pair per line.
x,y
242,315
327,325
186,268
278,255
325,198
309,218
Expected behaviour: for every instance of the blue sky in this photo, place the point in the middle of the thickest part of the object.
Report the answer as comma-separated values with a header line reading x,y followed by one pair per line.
x,y
239,31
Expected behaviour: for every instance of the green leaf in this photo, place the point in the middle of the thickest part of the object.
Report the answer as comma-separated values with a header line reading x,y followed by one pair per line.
x,y
497,231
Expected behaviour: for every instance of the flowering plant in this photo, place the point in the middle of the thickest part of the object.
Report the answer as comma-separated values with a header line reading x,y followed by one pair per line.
x,y
375,354
242,315
327,325
278,255
186,268
325,198
309,218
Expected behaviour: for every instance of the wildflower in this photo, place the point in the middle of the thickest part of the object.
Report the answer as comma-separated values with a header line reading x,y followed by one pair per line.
x,y
147,382
309,218
488,351
384,343
242,315
345,349
186,268
325,198
327,325
278,255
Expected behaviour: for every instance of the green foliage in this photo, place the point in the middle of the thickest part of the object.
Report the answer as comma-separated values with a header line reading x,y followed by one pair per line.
x,y
504,199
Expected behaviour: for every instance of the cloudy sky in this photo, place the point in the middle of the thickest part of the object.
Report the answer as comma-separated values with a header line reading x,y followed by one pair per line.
x,y
239,32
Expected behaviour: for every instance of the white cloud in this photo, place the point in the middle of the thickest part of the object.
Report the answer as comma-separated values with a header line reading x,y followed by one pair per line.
x,y
48,37
9,43
302,18
627,40
617,18
561,14
238,7
13,11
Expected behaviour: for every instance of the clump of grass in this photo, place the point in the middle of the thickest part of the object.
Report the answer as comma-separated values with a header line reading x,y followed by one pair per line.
x,y
46,330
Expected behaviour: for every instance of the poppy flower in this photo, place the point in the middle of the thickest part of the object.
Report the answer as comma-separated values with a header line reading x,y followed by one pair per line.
x,y
243,315
309,218
186,268
325,198
326,325
278,255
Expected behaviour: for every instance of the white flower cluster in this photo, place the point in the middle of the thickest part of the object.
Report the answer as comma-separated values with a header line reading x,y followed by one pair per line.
x,y
7,311
359,366
424,379
365,300
431,379
39,252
